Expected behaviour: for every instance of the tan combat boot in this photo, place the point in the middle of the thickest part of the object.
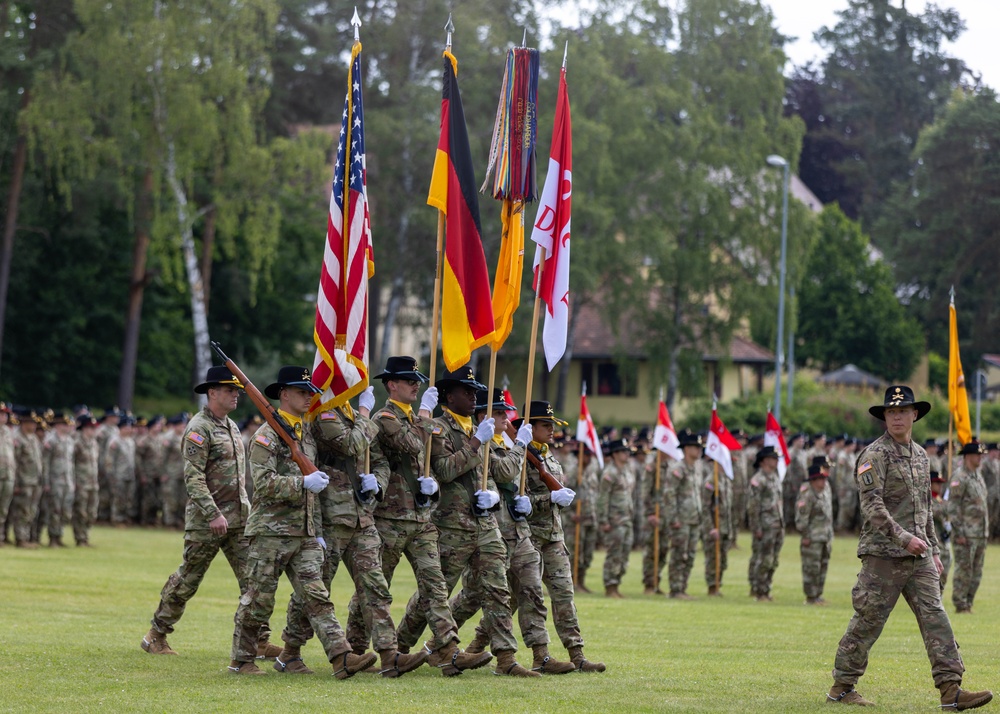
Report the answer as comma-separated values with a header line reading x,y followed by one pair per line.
x,y
155,642
648,590
583,664
581,586
395,664
612,591
846,694
955,698
479,643
714,591
348,664
267,650
27,545
508,666
545,664
453,661
244,668
680,596
56,542
289,661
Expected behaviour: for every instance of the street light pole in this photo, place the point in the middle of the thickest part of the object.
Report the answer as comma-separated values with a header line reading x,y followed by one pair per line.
x,y
790,389
981,377
775,160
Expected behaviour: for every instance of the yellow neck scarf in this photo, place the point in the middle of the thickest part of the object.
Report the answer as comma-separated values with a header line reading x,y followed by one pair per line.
x,y
407,408
498,440
463,421
543,449
348,412
293,421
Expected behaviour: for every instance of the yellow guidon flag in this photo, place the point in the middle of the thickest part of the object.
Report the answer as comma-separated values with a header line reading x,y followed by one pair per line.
x,y
958,398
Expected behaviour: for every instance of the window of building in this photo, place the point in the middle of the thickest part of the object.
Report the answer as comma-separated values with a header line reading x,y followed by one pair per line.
x,y
610,379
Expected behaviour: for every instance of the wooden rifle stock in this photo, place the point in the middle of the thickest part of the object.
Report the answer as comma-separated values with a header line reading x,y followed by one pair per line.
x,y
270,414
536,462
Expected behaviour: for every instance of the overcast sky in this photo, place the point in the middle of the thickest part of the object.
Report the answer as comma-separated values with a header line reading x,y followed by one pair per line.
x,y
977,45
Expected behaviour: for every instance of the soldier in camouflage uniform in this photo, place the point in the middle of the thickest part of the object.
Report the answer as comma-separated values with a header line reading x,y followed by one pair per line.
x,y
942,528
935,459
85,456
614,514
28,465
216,512
800,456
741,482
58,456
681,514
107,428
469,534
968,512
402,518
847,489
764,512
120,468
584,480
6,469
343,436
990,469
284,527
149,457
725,533
897,536
173,492
814,521
524,562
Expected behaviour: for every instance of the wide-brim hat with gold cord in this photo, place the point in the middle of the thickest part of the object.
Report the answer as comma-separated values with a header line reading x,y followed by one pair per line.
x,y
541,411
216,377
899,395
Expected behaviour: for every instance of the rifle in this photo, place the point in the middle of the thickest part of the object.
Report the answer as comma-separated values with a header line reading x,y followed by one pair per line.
x,y
535,459
270,414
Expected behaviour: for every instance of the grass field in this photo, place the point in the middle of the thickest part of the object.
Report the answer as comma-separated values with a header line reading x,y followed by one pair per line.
x,y
71,621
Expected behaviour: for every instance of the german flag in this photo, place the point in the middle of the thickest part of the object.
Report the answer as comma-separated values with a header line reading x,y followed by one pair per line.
x,y
466,306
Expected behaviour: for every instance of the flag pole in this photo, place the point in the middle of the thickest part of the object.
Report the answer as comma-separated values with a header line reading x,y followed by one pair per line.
x,y
718,535
531,358
656,512
579,507
489,412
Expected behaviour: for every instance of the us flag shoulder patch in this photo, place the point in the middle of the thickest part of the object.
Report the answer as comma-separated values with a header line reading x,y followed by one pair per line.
x,y
196,438
263,440
328,416
864,467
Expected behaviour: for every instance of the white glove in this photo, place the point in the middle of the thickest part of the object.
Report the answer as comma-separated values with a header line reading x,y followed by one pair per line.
x,y
563,497
316,481
524,435
485,430
368,483
485,500
428,486
522,505
429,400
322,543
367,399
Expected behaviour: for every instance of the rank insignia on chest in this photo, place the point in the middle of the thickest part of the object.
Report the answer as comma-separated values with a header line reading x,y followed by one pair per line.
x,y
196,438
263,440
328,416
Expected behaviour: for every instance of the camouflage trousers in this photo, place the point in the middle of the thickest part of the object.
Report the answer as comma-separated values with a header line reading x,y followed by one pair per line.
x,y
60,508
24,511
103,496
123,504
524,578
815,559
968,571
360,551
683,547
148,500
588,543
200,549
486,561
764,559
419,543
619,544
659,540
6,498
709,549
84,513
880,583
945,561
301,559
847,510
557,575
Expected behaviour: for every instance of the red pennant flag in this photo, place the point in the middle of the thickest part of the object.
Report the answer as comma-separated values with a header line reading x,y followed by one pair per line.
x,y
720,443
774,436
586,433
665,436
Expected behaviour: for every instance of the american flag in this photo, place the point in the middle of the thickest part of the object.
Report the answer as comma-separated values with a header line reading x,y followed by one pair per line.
x,y
341,334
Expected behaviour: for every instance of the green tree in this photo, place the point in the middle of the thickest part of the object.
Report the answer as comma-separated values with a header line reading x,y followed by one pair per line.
x,y
848,310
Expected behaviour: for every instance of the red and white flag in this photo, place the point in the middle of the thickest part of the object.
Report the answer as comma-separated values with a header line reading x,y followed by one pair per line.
x,y
665,436
773,436
552,230
720,444
511,413
340,369
586,433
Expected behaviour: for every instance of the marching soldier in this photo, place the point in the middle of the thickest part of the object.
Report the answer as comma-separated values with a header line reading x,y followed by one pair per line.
x,y
28,466
942,528
585,481
725,532
968,511
402,518
614,514
216,512
284,529
7,470
85,456
814,521
58,455
764,511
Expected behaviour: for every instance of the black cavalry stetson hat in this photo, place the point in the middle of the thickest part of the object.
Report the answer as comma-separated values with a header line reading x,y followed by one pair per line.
x,y
291,376
85,420
899,395
766,452
402,368
498,401
541,411
463,375
217,376
619,445
686,437
973,447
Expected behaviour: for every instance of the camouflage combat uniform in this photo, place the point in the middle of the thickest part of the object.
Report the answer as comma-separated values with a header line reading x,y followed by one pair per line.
x,y
727,523
968,511
942,529
27,484
283,525
614,509
104,433
765,516
7,476
682,515
659,536
121,476
894,485
584,508
173,492
814,520
847,491
58,458
402,519
85,457
465,540
149,455
990,470
741,482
